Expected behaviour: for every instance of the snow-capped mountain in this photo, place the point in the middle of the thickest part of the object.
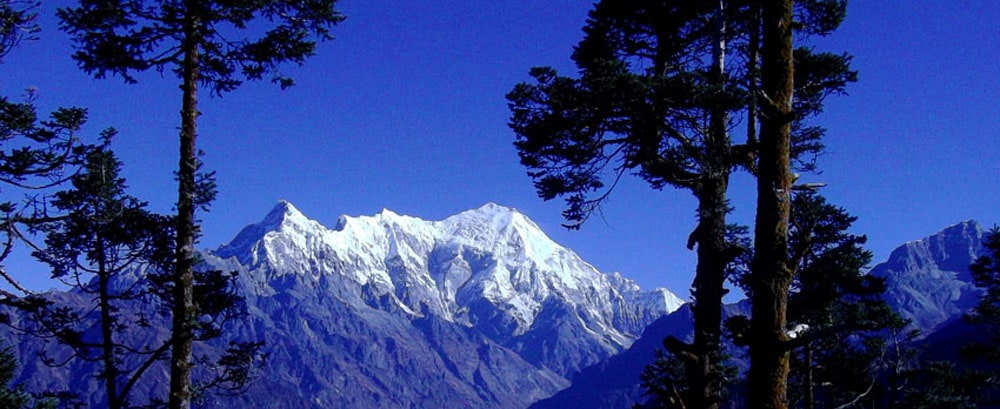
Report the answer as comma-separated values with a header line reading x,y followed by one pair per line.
x,y
490,269
481,309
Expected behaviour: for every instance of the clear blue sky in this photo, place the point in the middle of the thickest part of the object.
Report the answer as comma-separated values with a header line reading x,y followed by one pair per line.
x,y
405,110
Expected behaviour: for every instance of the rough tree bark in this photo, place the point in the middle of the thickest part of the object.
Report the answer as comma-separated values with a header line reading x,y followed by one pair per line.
x,y
183,280
771,274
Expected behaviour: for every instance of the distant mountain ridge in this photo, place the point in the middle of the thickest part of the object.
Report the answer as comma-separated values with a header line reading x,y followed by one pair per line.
x,y
481,309
927,282
496,304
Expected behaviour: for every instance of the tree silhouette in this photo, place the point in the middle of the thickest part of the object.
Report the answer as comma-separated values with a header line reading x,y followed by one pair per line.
x,y
788,94
662,86
206,43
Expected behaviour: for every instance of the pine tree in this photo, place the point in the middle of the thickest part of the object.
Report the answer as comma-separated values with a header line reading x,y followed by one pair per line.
x,y
36,154
203,43
654,99
661,87
113,254
840,346
103,236
782,108
15,397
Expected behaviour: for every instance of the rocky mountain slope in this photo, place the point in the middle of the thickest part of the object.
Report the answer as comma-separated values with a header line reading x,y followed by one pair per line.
x,y
481,308
927,282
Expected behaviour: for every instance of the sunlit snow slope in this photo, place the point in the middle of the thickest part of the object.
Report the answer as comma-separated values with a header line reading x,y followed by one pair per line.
x,y
489,269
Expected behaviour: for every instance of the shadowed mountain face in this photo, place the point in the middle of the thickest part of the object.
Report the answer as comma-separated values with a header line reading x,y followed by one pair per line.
x,y
481,308
927,281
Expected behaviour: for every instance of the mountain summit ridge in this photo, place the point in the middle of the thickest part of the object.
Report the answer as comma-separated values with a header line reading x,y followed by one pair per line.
x,y
491,269
928,280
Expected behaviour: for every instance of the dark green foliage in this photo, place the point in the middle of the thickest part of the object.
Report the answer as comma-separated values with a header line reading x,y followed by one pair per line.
x,y
657,96
819,17
205,43
668,386
105,230
653,99
986,275
115,253
15,397
17,22
124,37
98,248
836,310
831,287
664,382
35,151
35,155
640,105
939,385
839,357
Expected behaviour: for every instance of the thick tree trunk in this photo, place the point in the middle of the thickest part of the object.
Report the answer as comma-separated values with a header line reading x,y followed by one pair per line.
x,y
809,382
771,275
708,290
183,280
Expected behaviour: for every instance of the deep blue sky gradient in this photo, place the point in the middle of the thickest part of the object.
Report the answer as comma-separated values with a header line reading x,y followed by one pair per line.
x,y
405,110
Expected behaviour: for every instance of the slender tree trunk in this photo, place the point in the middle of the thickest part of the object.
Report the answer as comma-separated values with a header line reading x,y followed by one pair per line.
x,y
771,274
183,280
708,287
107,329
753,66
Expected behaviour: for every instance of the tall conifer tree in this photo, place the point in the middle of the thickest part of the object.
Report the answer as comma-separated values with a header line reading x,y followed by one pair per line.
x,y
206,43
654,99
662,86
103,236
789,93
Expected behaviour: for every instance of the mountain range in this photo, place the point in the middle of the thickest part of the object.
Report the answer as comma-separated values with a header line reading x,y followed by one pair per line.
x,y
394,311
479,310
927,282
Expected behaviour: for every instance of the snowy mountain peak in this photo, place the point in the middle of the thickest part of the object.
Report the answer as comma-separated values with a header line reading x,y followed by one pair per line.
x,y
493,223
489,268
284,216
282,213
492,215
